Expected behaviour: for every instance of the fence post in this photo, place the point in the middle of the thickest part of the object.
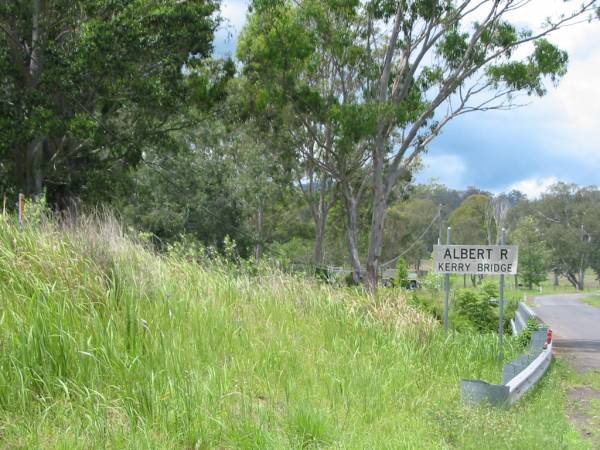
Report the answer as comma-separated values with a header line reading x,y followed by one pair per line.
x,y
21,209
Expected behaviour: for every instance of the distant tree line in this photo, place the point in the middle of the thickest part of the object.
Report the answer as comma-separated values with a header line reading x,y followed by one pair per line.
x,y
557,233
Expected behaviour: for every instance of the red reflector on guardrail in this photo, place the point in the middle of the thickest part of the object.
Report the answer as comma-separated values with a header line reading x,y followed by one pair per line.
x,y
548,338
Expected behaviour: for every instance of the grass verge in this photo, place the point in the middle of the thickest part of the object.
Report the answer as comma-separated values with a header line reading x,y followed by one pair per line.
x,y
107,345
593,300
583,407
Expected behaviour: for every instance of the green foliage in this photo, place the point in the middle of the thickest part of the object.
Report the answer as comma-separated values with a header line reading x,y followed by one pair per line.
x,y
490,288
569,218
402,273
350,281
533,255
472,309
503,35
453,47
108,81
546,60
36,211
409,229
525,336
428,302
469,220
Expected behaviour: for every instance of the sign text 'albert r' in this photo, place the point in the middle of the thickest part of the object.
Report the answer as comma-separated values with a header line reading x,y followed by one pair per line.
x,y
476,259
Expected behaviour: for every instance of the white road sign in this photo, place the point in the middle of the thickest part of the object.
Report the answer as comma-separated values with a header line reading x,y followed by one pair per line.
x,y
476,259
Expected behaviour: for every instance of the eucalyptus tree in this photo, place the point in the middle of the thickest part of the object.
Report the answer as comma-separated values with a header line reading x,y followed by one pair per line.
x,y
412,228
533,252
294,78
87,84
400,71
569,222
472,223
438,60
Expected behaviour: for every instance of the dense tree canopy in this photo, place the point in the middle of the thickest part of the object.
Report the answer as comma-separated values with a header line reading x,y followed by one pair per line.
x,y
87,85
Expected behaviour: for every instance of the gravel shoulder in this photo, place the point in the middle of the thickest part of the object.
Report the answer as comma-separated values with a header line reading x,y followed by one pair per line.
x,y
576,327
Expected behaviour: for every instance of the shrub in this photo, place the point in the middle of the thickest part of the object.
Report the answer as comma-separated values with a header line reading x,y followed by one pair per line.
x,y
401,274
427,303
525,336
490,289
350,280
475,310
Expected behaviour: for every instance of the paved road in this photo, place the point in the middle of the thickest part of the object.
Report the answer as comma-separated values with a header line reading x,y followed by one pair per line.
x,y
576,328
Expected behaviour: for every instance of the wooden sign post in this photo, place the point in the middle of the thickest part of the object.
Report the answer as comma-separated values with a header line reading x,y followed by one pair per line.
x,y
21,209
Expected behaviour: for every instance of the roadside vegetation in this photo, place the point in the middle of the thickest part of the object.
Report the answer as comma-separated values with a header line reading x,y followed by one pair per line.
x,y
106,344
593,300
583,405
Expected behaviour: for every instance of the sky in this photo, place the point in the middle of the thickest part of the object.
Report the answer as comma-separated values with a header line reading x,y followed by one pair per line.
x,y
553,138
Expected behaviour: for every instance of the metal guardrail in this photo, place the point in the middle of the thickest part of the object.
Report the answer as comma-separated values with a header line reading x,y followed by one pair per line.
x,y
525,380
520,375
522,316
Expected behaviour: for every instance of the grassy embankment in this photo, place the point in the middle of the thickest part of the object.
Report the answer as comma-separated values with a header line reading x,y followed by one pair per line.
x,y
106,345
583,390
593,300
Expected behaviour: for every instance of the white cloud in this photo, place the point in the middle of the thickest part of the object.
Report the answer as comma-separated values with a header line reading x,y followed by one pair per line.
x,y
446,169
562,127
233,13
533,187
569,114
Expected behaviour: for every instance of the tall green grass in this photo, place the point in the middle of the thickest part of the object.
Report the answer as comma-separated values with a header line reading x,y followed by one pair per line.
x,y
104,344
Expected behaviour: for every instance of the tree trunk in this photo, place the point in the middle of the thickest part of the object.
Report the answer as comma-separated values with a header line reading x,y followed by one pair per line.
x,y
319,208
377,218
258,249
30,172
319,239
556,279
34,174
572,279
352,232
20,158
320,214
375,244
581,281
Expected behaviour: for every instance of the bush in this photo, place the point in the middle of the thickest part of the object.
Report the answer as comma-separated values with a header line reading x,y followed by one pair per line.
x,y
474,310
427,303
402,274
525,336
490,289
350,280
